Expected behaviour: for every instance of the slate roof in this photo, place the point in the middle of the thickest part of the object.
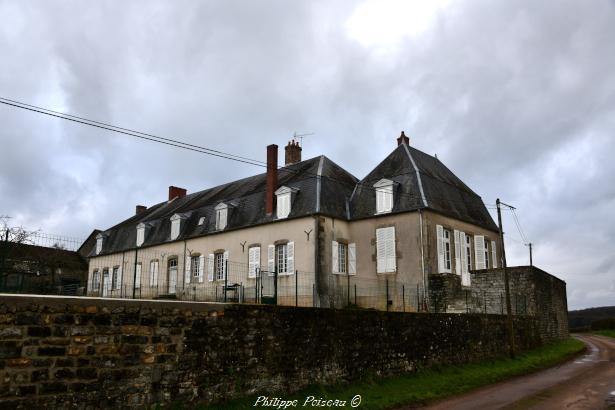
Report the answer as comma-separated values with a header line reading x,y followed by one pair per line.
x,y
420,182
325,188
247,199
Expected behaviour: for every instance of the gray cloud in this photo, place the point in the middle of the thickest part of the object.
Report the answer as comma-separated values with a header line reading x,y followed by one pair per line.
x,y
515,97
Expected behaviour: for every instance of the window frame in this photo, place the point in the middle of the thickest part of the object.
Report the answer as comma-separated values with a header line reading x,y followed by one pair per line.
x,y
140,234
486,250
468,250
219,266
384,196
221,216
342,257
195,265
281,258
115,271
96,279
446,242
175,226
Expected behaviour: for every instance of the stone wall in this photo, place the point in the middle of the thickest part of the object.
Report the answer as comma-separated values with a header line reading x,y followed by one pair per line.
x,y
533,292
103,353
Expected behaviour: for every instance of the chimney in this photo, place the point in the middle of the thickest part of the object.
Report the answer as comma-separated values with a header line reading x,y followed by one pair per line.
x,y
293,153
403,139
140,209
175,192
272,177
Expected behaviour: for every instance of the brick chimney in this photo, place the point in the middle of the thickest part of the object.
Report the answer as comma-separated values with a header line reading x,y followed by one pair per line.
x,y
293,153
175,192
139,209
272,178
403,139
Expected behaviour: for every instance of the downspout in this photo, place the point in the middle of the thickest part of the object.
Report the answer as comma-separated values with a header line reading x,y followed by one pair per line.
x,y
134,275
422,252
315,297
122,289
184,271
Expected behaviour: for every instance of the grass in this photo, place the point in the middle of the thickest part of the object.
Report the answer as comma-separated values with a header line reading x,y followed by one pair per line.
x,y
606,332
430,384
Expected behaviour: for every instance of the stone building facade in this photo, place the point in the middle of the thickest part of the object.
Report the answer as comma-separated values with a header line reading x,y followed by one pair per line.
x,y
408,218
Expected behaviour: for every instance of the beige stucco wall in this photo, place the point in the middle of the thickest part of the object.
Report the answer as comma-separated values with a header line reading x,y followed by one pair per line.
x,y
263,235
431,219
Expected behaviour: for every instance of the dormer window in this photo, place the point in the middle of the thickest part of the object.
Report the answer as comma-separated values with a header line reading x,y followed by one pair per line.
x,y
284,201
175,226
221,216
384,196
140,234
99,243
201,220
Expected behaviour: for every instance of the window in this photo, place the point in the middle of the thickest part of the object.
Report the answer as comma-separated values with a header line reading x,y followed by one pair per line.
x,y
385,250
99,243
281,258
486,254
384,196
195,265
283,202
201,220
114,278
140,234
95,279
175,226
468,249
106,286
342,255
219,265
153,273
254,260
447,250
221,216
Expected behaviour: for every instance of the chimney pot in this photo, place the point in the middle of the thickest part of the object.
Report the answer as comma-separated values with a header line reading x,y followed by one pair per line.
x,y
403,139
292,153
139,209
175,192
272,177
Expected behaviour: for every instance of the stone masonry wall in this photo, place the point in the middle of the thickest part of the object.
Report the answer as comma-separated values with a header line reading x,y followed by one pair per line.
x,y
100,353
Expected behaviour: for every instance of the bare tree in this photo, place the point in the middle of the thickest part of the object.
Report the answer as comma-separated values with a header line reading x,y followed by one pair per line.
x,y
8,235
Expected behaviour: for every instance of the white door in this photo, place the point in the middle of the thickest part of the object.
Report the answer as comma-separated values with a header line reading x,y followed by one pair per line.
x,y
106,284
172,279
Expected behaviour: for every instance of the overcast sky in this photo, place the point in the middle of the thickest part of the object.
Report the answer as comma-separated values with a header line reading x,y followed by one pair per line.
x,y
517,98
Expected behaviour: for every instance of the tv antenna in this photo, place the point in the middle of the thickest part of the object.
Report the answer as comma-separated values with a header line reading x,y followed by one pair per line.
x,y
300,136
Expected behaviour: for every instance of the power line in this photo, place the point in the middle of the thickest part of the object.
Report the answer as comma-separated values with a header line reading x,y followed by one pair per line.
x,y
201,149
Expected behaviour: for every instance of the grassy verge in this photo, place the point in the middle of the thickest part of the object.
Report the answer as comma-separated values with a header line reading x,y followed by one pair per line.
x,y
430,384
608,332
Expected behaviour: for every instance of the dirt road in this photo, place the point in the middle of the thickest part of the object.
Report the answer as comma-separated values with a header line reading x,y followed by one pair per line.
x,y
587,382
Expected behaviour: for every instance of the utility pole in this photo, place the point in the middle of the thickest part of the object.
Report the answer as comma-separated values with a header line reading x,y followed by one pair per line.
x,y
509,321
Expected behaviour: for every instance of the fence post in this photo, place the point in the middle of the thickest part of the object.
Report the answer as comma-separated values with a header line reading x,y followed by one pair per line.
x,y
296,288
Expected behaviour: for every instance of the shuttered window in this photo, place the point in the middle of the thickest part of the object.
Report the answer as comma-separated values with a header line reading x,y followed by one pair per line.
x,y
486,250
443,237
479,252
385,250
140,234
283,205
175,226
384,196
153,273
254,260
138,276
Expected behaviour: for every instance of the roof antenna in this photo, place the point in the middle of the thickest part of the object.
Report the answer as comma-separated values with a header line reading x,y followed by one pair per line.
x,y
300,136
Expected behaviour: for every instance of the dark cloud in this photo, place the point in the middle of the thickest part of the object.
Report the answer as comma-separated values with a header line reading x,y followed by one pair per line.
x,y
515,97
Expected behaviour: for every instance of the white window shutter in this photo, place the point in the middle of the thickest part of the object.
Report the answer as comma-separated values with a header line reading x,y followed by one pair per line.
x,y
388,199
290,265
457,238
118,284
251,264
225,267
391,256
210,267
440,244
334,257
257,259
379,200
271,259
352,259
187,263
479,251
494,254
156,271
201,268
380,251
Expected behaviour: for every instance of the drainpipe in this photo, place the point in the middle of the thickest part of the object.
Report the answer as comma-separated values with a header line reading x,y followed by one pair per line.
x,y
184,273
134,276
422,253
315,295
